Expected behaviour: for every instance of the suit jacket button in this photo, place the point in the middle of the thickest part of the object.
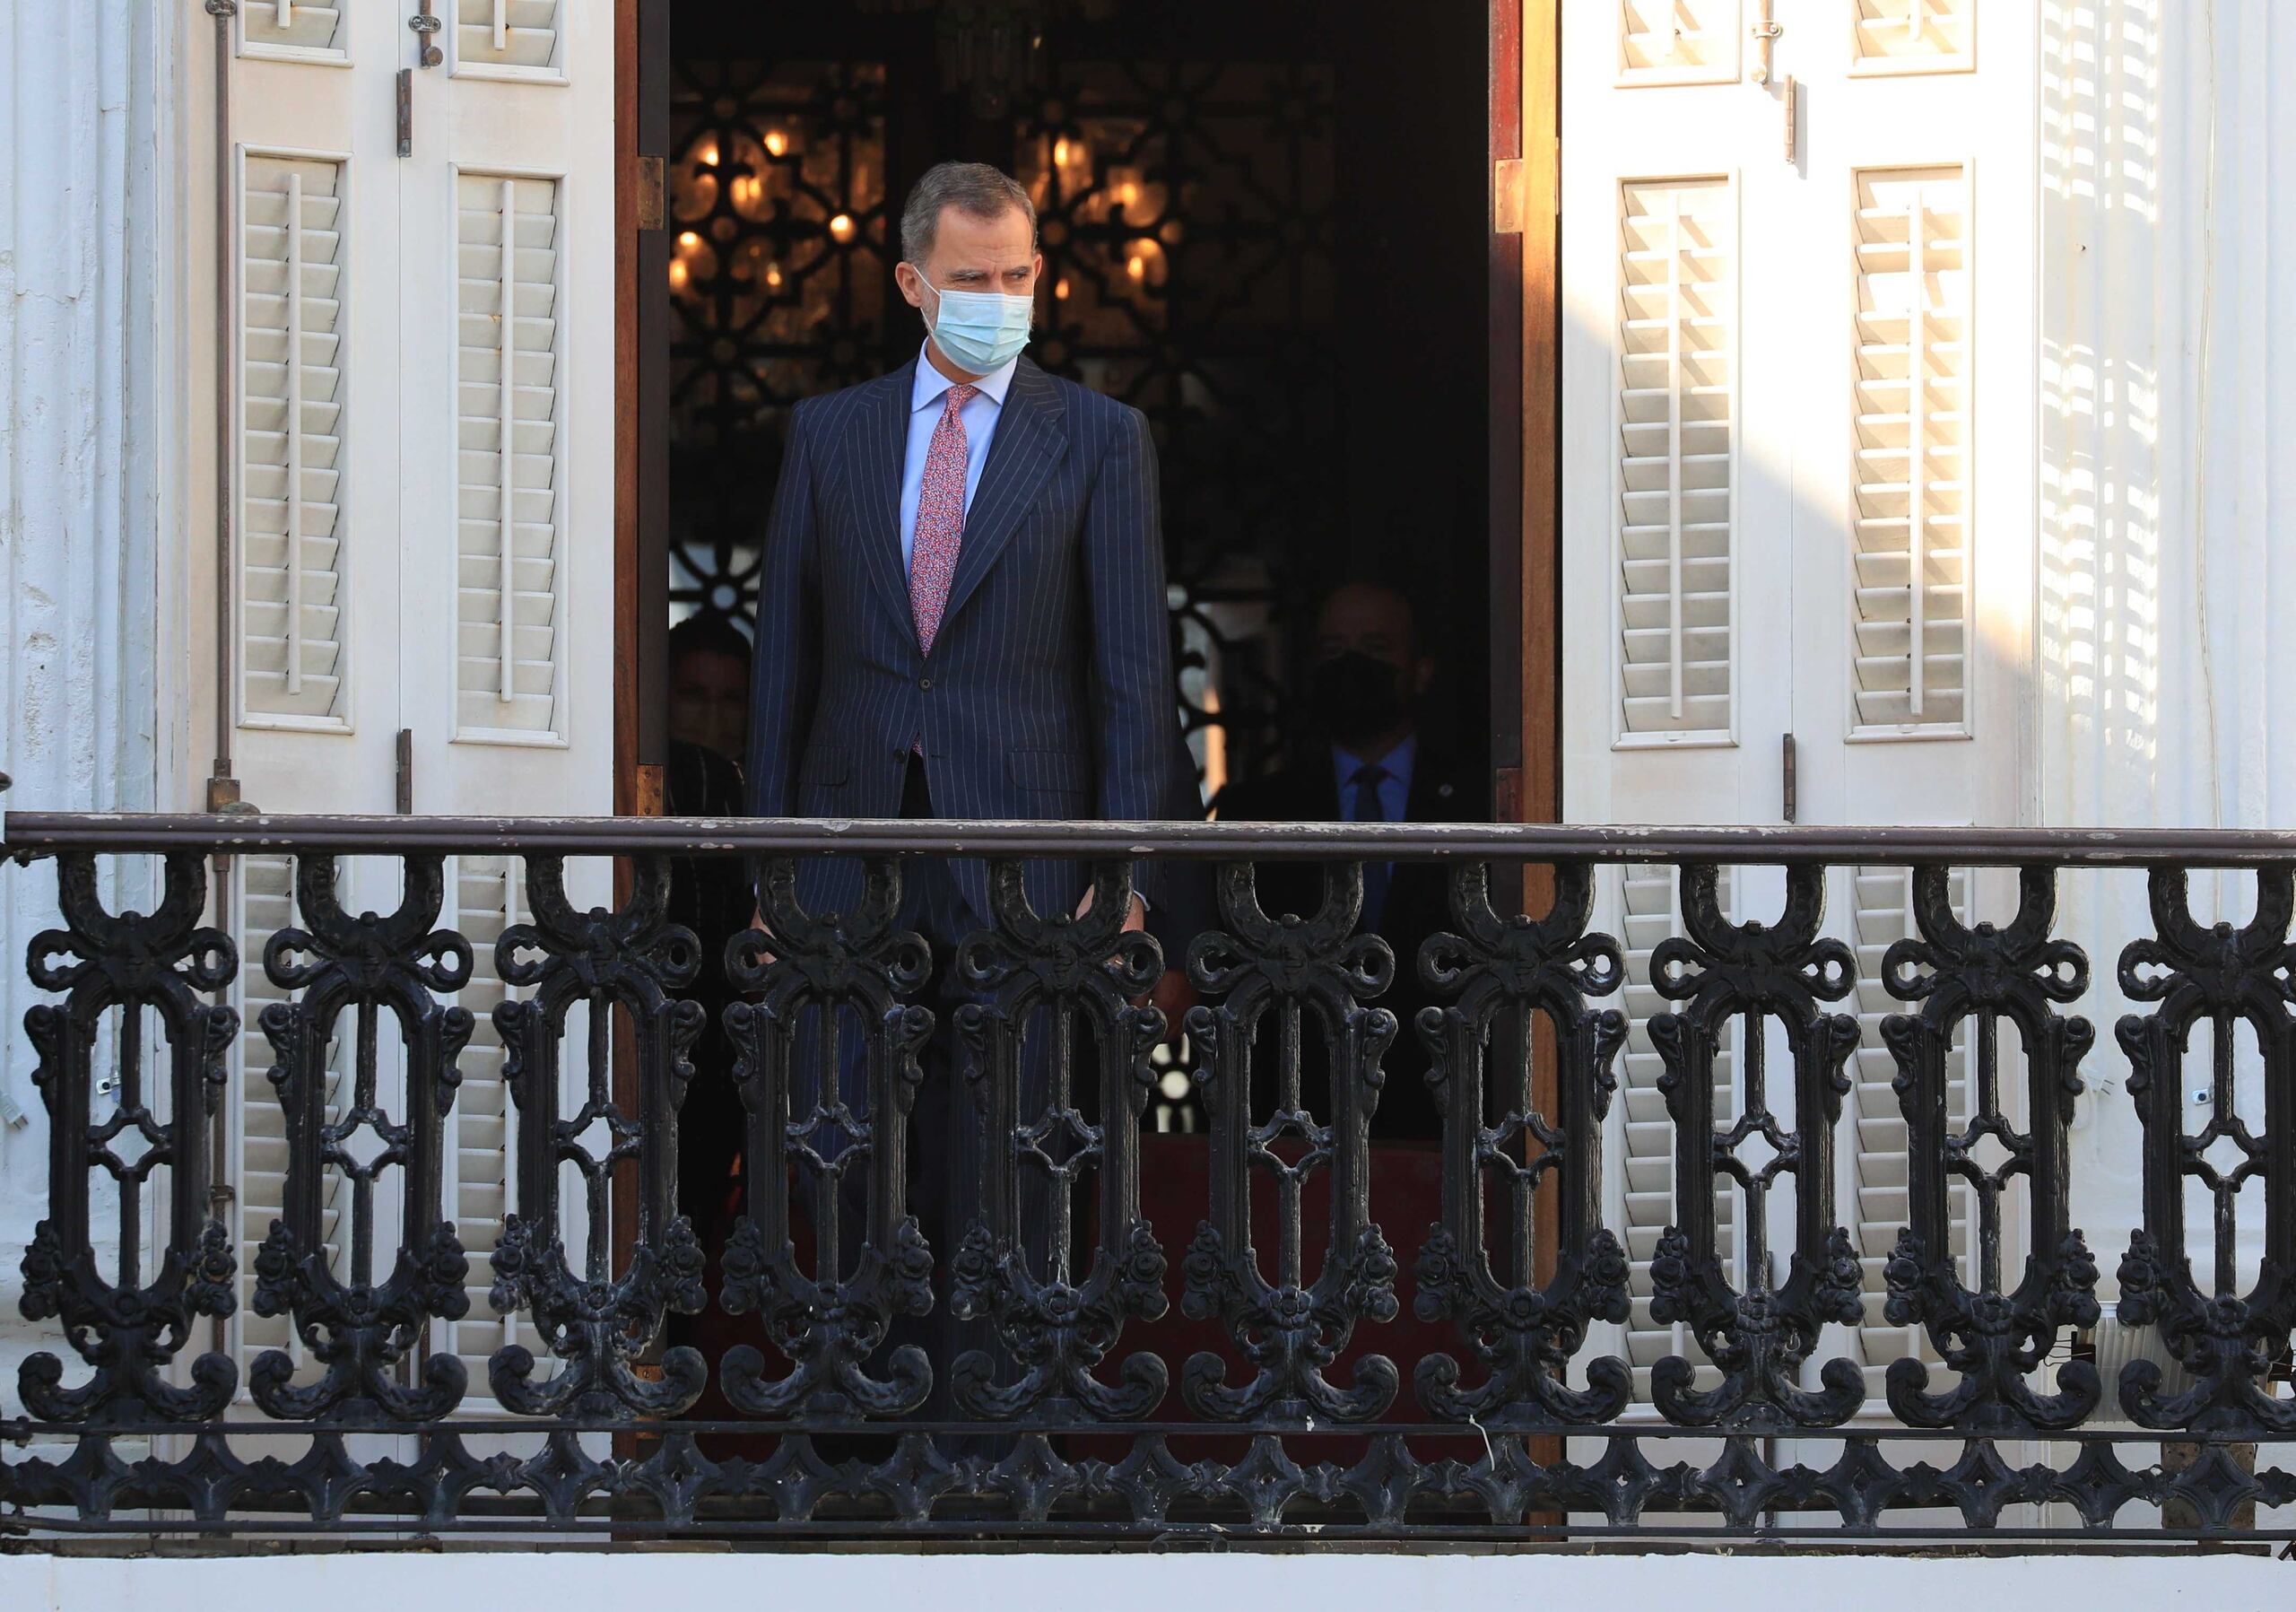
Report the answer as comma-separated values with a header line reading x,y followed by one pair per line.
x,y
925,682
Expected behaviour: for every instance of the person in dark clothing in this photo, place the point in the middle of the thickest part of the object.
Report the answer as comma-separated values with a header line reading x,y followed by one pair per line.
x,y
1368,762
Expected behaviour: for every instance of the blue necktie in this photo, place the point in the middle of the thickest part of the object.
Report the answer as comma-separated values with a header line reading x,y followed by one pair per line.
x,y
1370,808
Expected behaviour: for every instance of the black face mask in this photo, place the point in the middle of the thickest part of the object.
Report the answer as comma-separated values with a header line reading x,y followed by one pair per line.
x,y
1355,697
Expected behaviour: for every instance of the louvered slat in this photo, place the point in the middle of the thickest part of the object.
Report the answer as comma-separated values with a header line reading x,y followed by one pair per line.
x,y
1648,914
295,28
1678,41
1912,542
508,646
507,39
1676,405
1912,36
292,591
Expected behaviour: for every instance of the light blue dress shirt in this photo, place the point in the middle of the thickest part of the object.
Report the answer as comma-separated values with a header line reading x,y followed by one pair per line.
x,y
980,413
1395,790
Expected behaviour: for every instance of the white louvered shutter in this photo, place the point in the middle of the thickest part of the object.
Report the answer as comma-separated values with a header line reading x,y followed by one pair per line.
x,y
1678,41
292,30
1649,912
1913,531
507,608
1912,36
1675,415
508,38
294,529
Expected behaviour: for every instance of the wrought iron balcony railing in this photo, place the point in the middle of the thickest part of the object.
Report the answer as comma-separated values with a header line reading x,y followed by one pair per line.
x,y
1002,1361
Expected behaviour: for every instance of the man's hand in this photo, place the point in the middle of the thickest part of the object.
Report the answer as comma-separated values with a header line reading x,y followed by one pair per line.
x,y
1135,918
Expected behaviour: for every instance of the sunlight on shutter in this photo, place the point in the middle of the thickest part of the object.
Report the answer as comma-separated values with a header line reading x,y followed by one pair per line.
x,y
1913,36
1913,531
1678,41
508,38
1677,420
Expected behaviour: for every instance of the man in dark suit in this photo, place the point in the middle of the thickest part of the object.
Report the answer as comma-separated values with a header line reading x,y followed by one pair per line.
x,y
962,614
1367,763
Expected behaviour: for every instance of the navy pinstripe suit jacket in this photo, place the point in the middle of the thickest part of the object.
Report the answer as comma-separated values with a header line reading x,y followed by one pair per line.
x,y
1048,691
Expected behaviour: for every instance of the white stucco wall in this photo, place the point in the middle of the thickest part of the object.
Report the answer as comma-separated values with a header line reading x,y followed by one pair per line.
x,y
2166,674
83,465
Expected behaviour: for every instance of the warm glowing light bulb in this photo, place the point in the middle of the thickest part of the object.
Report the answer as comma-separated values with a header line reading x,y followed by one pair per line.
x,y
679,275
773,276
710,155
1060,153
688,240
1136,266
777,144
1060,288
840,227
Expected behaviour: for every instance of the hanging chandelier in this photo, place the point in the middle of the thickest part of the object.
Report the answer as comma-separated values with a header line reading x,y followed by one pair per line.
x,y
996,50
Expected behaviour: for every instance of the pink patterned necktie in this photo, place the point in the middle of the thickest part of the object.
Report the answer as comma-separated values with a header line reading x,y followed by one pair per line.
x,y
940,518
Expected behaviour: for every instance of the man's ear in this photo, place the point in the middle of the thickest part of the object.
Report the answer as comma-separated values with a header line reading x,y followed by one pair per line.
x,y
911,284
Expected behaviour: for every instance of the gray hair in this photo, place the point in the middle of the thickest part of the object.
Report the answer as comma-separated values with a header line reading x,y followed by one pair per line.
x,y
974,187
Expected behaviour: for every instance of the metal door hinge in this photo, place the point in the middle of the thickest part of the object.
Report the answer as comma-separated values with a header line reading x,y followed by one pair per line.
x,y
1793,119
648,202
406,111
1790,806
404,793
1509,197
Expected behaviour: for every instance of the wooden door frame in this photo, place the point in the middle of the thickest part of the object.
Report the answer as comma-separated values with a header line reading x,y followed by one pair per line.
x,y
1526,412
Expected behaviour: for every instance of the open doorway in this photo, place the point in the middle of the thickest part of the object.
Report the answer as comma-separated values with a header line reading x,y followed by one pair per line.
x,y
1266,226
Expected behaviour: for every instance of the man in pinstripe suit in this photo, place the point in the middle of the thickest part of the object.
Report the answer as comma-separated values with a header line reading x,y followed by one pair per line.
x,y
963,608
962,615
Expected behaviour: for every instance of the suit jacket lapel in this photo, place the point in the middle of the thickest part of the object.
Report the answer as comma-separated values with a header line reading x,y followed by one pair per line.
x,y
1031,433
880,448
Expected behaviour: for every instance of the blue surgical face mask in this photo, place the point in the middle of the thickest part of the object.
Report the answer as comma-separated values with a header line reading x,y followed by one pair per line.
x,y
979,330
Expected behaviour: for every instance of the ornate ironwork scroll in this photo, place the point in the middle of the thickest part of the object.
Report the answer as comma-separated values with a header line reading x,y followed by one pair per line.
x,y
1758,1336
1523,1333
1015,1263
595,1323
2223,977
1974,976
368,968
806,969
126,1328
1289,1331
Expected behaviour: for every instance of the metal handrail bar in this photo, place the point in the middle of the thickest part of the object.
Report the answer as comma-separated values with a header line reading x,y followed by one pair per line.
x,y
26,833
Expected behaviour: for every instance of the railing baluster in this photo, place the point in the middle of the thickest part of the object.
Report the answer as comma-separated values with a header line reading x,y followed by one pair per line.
x,y
1976,975
128,1329
831,1322
1290,1332
1018,1274
1753,973
1525,1334
633,959
2221,975
358,1330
